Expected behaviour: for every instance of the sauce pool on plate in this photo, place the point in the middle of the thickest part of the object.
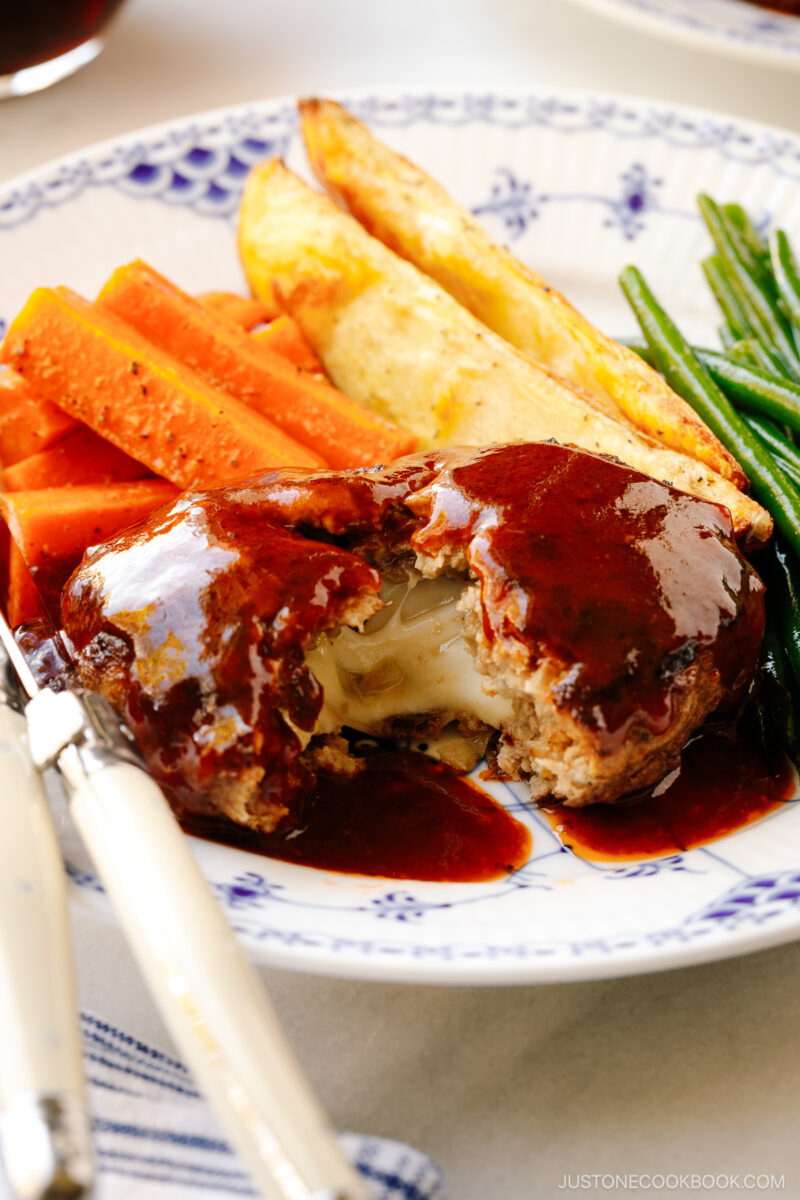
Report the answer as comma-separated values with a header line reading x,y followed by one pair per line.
x,y
724,783
406,816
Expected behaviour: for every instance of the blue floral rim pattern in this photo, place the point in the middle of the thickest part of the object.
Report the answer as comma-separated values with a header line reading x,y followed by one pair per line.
x,y
735,23
203,165
756,901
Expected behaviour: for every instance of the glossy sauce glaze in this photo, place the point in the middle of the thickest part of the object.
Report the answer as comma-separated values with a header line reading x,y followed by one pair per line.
x,y
404,816
46,655
624,580
726,781
195,623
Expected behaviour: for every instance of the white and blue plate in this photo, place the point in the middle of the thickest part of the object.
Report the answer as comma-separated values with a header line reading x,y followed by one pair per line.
x,y
577,185
733,27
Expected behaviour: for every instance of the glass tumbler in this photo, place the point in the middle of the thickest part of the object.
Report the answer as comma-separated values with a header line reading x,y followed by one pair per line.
x,y
42,41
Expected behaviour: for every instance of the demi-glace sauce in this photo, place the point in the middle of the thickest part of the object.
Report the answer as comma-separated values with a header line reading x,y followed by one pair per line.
x,y
631,596
404,816
408,817
625,581
724,783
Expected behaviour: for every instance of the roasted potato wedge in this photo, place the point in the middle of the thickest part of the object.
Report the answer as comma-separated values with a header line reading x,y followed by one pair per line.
x,y
393,339
409,212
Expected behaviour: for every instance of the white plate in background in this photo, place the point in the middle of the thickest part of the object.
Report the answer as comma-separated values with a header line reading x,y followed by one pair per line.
x,y
733,27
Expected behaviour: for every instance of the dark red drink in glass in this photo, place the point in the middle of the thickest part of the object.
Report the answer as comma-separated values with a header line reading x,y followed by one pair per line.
x,y
44,40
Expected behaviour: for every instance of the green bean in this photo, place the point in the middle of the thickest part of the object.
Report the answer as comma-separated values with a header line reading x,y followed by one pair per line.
x,y
784,576
786,274
747,386
684,371
754,389
765,319
781,693
740,220
727,335
752,353
725,296
744,352
781,651
777,443
738,216
751,252
789,471
766,324
749,248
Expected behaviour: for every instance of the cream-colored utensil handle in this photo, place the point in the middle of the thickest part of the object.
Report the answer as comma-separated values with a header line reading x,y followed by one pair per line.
x,y
44,1127
209,996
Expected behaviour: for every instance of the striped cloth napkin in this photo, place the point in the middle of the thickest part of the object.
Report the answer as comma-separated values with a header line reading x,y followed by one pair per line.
x,y
156,1139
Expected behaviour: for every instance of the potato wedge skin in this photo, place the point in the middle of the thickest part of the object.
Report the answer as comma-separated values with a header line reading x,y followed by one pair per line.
x,y
409,212
394,340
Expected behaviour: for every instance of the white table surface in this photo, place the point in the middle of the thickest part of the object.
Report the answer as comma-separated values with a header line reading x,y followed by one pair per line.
x,y
511,1090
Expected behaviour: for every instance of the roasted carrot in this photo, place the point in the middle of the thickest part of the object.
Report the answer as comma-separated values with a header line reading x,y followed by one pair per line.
x,y
344,433
101,370
244,311
285,337
22,598
51,528
282,334
81,457
49,523
28,423
5,566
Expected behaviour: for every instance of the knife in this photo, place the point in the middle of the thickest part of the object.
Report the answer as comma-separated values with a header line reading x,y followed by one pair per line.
x,y
208,994
44,1127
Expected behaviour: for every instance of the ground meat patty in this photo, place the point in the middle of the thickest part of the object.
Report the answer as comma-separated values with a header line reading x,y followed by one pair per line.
x,y
604,614
615,611
194,625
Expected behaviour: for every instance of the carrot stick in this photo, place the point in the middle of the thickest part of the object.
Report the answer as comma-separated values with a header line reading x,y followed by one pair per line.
x,y
28,423
53,522
5,566
285,337
22,601
244,311
81,457
51,528
99,369
283,334
344,433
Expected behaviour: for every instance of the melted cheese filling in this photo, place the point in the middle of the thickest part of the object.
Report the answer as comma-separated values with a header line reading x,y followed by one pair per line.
x,y
411,658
